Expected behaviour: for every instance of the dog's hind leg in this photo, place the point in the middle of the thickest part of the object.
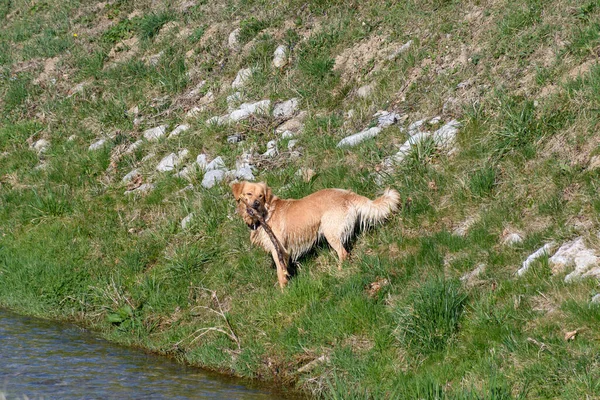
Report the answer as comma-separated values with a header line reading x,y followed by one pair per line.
x,y
339,248
336,234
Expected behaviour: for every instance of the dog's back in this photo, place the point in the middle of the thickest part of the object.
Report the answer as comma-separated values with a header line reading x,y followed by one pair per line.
x,y
329,213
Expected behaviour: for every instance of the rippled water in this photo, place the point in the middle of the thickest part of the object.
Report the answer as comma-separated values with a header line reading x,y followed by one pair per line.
x,y
42,359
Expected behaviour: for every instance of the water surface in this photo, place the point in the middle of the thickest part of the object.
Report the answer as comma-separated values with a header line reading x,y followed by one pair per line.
x,y
44,359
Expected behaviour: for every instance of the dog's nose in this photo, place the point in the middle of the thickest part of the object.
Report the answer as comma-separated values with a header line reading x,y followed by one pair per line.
x,y
256,204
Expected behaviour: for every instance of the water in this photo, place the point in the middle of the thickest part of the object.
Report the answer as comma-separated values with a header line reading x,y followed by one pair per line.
x,y
43,359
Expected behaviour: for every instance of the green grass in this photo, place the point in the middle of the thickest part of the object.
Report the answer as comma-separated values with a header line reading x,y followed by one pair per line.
x,y
433,317
395,321
250,27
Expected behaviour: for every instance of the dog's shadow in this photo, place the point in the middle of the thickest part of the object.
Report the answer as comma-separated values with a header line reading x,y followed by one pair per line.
x,y
318,248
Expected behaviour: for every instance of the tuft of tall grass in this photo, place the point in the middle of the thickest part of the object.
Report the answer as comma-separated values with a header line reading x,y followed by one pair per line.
x,y
483,181
250,27
149,25
432,316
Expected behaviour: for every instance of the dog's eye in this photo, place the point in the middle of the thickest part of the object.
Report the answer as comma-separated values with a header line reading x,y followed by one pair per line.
x,y
260,196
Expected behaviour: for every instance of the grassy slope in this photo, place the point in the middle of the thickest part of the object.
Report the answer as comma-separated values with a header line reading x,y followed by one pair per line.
x,y
72,246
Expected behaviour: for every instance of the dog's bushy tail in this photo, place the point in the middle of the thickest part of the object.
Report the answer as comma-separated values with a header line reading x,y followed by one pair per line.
x,y
375,211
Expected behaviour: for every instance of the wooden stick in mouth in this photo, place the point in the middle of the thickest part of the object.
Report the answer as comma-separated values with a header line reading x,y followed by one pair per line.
x,y
278,247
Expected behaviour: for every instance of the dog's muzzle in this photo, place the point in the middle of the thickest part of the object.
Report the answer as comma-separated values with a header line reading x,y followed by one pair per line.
x,y
254,226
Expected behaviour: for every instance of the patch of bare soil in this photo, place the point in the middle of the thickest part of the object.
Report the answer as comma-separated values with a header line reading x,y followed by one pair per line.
x,y
50,70
573,73
566,146
123,50
26,66
360,59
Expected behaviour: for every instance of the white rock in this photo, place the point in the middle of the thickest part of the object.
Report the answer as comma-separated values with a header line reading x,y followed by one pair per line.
x,y
280,57
212,177
464,227
235,138
242,78
543,251
148,157
77,89
186,171
97,145
155,133
386,119
469,276
400,50
71,138
167,163
465,84
208,98
185,222
142,189
511,239
134,111
194,112
170,162
202,161
40,146
574,254
294,125
445,137
286,109
248,109
134,146
196,90
287,135
183,154
218,120
234,100
244,173
406,148
131,176
215,164
154,59
415,127
359,137
596,299
245,160
292,144
178,129
594,272
271,149
365,91
565,255
233,40
435,120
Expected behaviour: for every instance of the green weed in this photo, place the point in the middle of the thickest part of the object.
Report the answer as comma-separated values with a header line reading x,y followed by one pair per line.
x,y
433,317
251,27
149,25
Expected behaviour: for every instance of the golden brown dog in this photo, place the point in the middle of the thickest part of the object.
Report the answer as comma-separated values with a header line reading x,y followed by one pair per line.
x,y
299,224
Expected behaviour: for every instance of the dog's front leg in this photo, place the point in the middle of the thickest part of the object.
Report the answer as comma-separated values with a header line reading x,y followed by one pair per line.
x,y
282,273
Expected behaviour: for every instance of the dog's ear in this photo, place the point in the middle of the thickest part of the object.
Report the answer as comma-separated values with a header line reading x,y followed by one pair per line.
x,y
236,188
267,191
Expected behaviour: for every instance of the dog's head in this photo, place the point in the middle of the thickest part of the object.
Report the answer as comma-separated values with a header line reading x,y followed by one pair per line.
x,y
256,196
